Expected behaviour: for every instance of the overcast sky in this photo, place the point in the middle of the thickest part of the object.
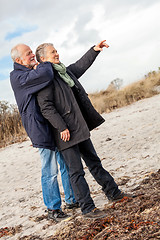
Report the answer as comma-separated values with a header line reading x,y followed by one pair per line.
x,y
130,27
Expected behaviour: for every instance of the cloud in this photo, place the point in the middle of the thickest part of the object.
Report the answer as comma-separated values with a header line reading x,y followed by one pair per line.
x,y
5,66
131,29
19,32
6,93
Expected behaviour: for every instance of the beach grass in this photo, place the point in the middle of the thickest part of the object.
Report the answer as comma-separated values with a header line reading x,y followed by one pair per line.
x,y
11,128
110,99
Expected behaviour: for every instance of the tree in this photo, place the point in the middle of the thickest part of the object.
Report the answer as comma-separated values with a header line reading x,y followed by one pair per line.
x,y
117,83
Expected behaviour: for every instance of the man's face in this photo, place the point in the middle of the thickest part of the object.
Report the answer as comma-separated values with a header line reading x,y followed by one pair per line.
x,y
51,55
27,57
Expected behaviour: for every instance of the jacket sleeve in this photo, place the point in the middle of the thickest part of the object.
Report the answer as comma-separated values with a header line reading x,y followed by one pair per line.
x,y
36,79
45,100
78,68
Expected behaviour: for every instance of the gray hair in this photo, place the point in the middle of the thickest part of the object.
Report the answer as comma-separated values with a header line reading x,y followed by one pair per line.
x,y
15,53
40,51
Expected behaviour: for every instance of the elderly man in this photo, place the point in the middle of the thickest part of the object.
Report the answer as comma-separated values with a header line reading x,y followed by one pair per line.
x,y
67,107
26,82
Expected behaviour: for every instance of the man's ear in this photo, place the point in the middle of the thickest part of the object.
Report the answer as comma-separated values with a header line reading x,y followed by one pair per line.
x,y
19,60
42,59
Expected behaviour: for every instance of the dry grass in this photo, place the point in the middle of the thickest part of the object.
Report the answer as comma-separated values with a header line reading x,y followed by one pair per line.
x,y
110,99
11,129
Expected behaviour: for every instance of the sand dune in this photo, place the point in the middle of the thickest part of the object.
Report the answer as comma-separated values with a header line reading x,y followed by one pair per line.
x,y
128,144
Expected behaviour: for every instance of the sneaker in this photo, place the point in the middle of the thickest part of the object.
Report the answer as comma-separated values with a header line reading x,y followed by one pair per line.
x,y
95,213
56,214
72,205
121,196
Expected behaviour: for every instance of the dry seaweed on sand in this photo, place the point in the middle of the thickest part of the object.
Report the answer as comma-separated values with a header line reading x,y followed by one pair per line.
x,y
10,231
137,218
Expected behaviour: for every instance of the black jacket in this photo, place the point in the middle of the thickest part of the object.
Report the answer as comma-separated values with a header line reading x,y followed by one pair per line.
x,y
66,107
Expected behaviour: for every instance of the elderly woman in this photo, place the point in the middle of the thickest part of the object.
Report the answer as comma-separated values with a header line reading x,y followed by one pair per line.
x,y
66,106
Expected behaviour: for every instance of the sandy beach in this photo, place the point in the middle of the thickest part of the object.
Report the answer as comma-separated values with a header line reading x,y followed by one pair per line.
x,y
128,144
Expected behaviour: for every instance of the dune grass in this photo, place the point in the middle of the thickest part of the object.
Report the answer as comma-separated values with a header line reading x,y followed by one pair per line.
x,y
110,99
12,131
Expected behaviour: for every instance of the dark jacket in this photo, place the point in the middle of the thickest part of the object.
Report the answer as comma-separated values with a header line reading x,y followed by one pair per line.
x,y
25,83
66,107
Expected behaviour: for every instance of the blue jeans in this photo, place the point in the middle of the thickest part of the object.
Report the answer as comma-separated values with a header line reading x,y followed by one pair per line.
x,y
50,187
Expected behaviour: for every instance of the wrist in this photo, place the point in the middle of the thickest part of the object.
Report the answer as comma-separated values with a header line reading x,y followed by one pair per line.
x,y
96,49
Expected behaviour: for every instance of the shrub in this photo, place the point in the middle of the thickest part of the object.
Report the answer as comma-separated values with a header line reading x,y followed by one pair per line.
x,y
11,129
108,100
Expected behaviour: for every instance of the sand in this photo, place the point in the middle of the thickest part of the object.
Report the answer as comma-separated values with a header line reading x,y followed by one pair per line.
x,y
128,144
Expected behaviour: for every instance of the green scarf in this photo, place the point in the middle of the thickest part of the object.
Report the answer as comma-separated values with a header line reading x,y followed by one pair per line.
x,y
62,72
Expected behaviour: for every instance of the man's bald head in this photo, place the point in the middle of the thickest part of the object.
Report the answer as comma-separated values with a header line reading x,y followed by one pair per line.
x,y
23,55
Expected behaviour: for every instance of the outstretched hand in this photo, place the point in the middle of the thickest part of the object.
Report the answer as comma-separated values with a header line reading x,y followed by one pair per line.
x,y
100,46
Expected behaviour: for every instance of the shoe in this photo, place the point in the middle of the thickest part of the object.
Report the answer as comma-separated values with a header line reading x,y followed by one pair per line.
x,y
95,213
72,205
121,196
56,214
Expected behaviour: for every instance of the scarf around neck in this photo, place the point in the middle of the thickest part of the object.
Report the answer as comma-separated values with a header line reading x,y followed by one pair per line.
x,y
61,69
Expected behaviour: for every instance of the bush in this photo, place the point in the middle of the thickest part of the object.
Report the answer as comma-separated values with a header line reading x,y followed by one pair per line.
x,y
110,99
11,129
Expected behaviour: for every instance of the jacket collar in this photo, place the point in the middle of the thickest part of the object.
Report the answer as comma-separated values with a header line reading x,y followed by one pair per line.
x,y
18,66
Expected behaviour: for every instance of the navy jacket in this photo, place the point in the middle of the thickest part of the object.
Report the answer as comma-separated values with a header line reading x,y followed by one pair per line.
x,y
26,83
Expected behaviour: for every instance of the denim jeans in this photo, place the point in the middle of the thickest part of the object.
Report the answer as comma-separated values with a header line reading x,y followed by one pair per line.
x,y
68,191
50,187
